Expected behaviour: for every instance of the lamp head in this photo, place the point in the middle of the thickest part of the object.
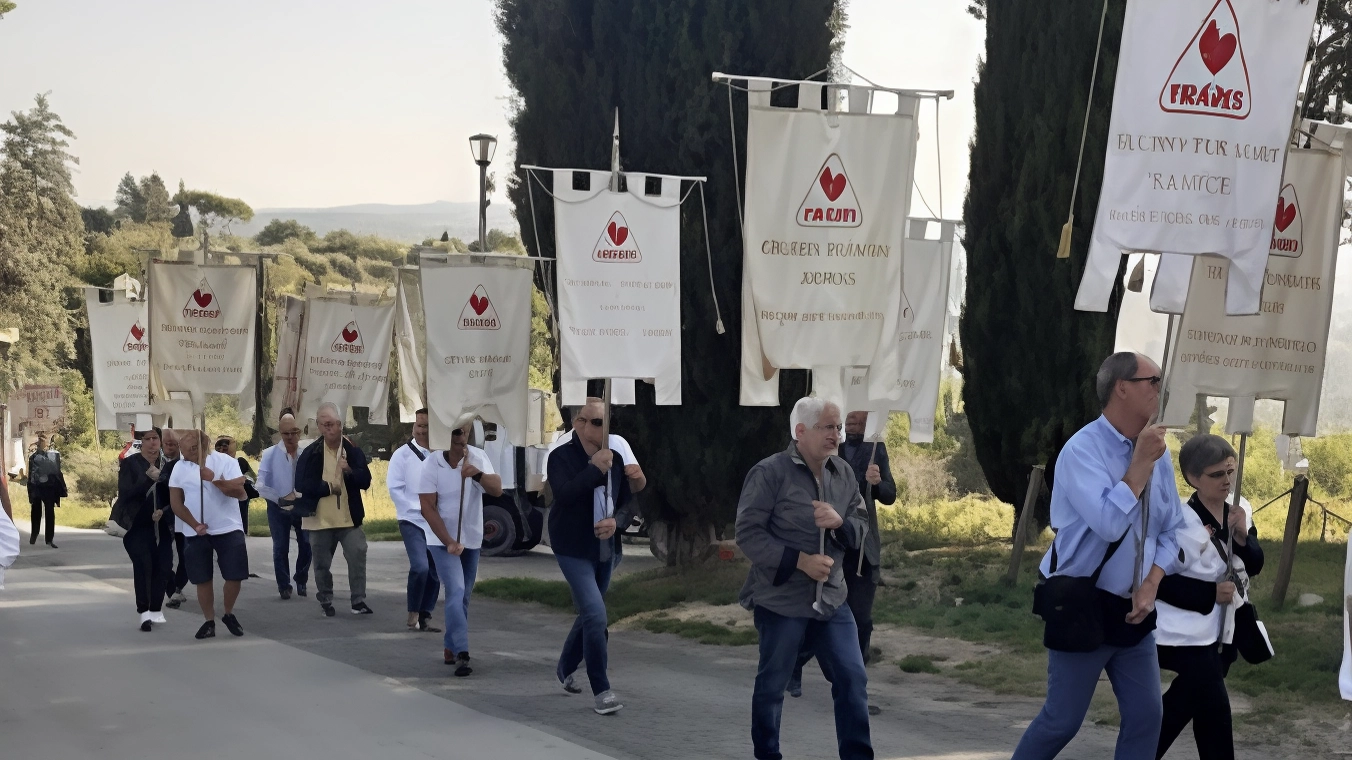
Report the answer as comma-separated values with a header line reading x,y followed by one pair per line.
x,y
482,147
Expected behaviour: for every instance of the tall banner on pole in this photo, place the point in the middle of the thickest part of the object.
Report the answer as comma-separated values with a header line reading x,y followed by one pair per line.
x,y
478,312
1278,353
347,356
285,377
410,344
1202,111
1139,328
619,283
827,192
201,331
120,352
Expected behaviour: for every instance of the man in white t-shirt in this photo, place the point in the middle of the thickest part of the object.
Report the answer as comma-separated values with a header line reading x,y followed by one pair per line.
x,y
451,490
404,476
205,499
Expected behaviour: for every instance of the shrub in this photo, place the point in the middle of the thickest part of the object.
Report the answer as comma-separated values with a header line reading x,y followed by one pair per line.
x,y
378,270
317,266
346,267
91,474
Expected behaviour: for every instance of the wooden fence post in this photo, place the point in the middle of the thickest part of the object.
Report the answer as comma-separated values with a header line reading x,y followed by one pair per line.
x,y
1025,519
1295,514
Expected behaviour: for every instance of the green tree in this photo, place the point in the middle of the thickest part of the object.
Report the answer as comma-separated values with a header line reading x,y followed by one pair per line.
x,y
497,241
1029,357
571,63
279,231
212,209
156,205
98,220
6,6
130,204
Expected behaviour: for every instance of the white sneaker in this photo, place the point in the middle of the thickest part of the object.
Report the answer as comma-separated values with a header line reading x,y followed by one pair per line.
x,y
145,616
158,617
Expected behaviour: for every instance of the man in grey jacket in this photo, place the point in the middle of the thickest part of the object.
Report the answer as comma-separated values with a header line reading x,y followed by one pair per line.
x,y
799,513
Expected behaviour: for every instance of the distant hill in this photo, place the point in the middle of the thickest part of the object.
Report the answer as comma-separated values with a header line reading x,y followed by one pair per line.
x,y
405,223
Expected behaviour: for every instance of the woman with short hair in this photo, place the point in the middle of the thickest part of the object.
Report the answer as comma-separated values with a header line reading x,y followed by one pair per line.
x,y
142,504
1193,603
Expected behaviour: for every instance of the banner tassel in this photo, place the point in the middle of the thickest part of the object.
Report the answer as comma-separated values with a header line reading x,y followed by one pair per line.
x,y
1063,250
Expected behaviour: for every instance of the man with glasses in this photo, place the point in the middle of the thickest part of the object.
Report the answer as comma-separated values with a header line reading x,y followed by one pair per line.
x,y
277,486
591,498
800,511
1105,474
331,473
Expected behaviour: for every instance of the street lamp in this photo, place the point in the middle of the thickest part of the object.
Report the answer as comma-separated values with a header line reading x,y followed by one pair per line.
x,y
482,146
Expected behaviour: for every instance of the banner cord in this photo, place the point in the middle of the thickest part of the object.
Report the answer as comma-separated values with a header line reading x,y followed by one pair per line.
x,y
1084,130
544,274
709,257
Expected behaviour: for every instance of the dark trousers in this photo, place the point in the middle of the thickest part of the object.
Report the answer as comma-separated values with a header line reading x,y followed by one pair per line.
x,y
244,515
836,644
43,501
861,591
179,580
1198,694
588,638
151,562
281,524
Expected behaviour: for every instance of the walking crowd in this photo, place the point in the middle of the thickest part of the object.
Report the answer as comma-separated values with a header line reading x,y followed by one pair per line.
x,y
1137,579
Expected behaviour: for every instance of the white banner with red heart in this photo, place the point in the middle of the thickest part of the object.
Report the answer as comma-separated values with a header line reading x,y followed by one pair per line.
x,y
827,192
1279,352
1201,118
347,356
202,331
619,283
120,353
477,312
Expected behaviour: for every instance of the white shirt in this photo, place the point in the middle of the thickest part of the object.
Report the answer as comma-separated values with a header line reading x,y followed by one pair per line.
x,y
220,512
403,479
601,508
1176,627
444,480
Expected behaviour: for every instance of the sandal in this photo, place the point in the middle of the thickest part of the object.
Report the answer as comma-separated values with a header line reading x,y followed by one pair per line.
x,y
425,625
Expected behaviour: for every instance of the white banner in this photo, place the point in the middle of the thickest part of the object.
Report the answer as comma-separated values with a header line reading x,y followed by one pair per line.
x,y
201,331
120,352
1202,113
286,370
478,309
826,200
410,344
1278,353
1138,328
619,283
347,357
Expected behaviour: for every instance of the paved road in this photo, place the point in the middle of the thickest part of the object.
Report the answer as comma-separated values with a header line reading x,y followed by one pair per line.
x,y
301,685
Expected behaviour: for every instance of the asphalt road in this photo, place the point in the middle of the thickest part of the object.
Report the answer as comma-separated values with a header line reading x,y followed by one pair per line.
x,y
79,680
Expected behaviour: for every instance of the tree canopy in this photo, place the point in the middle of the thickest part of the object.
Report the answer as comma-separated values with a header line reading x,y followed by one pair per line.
x,y
6,6
213,209
279,231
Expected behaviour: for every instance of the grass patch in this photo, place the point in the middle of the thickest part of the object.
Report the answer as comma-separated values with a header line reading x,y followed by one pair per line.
x,y
918,663
702,631
549,593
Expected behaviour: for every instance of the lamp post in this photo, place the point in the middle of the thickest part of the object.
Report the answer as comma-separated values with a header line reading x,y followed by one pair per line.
x,y
482,147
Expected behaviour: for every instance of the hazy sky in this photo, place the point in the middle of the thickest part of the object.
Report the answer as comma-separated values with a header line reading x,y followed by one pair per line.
x,y
328,102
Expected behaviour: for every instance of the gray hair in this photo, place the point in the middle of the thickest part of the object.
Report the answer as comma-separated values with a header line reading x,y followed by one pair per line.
x,y
1201,452
1116,368
807,411
332,407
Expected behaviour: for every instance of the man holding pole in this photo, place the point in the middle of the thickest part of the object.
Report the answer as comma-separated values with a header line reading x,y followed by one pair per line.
x,y
277,486
405,475
330,476
1114,488
451,488
800,511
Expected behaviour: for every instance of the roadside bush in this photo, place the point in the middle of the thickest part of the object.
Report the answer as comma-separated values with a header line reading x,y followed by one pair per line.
x,y
317,266
91,475
378,270
970,521
1330,464
346,267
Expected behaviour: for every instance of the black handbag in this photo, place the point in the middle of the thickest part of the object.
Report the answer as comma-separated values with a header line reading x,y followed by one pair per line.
x,y
1070,608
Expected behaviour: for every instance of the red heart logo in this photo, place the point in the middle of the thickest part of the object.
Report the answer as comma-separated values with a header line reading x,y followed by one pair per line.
x,y
137,331
349,335
1285,215
479,305
832,185
201,298
618,234
1216,50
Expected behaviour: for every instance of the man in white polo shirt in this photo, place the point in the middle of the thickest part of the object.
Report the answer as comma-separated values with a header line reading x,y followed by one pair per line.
x,y
405,475
205,499
451,490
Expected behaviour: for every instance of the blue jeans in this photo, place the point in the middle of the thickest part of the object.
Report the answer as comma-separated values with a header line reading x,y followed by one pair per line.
x,y
457,575
280,524
423,586
835,642
1071,678
588,582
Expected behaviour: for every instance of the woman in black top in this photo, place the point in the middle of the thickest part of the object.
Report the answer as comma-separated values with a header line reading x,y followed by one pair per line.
x,y
1193,602
143,503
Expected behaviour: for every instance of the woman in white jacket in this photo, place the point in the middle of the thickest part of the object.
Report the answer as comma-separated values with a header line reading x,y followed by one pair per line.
x,y
1194,603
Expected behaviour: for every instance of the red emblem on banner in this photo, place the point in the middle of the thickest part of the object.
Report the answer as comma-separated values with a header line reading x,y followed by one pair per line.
x,y
1211,77
479,313
830,201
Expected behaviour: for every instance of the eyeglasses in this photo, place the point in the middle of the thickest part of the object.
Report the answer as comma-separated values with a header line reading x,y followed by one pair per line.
x,y
595,421
829,428
1154,380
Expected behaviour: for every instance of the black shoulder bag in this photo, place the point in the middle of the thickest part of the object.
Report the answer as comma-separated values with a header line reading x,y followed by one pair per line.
x,y
1069,606
421,457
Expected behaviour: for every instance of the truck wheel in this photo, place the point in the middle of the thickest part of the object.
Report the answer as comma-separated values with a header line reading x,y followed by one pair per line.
x,y
499,531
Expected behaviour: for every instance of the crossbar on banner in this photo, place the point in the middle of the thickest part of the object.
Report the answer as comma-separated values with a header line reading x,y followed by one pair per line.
x,y
728,79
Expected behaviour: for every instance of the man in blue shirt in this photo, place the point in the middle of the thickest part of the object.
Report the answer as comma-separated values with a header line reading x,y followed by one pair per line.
x,y
277,485
1102,475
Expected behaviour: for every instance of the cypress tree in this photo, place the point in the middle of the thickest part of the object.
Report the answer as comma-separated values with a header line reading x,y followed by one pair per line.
x,y
572,62
1029,357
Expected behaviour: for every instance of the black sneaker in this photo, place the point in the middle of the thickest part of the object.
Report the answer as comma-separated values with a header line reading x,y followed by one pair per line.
x,y
145,626
173,604
360,608
300,589
329,611
51,545
462,667
207,631
232,623
286,593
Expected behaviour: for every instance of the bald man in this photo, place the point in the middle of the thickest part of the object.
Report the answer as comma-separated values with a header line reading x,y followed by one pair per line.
x,y
277,486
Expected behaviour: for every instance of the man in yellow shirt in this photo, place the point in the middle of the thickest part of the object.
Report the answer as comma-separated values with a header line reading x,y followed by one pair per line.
x,y
331,473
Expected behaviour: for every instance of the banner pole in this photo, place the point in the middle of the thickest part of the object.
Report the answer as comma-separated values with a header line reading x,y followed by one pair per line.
x,y
1229,574
605,440
1137,570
